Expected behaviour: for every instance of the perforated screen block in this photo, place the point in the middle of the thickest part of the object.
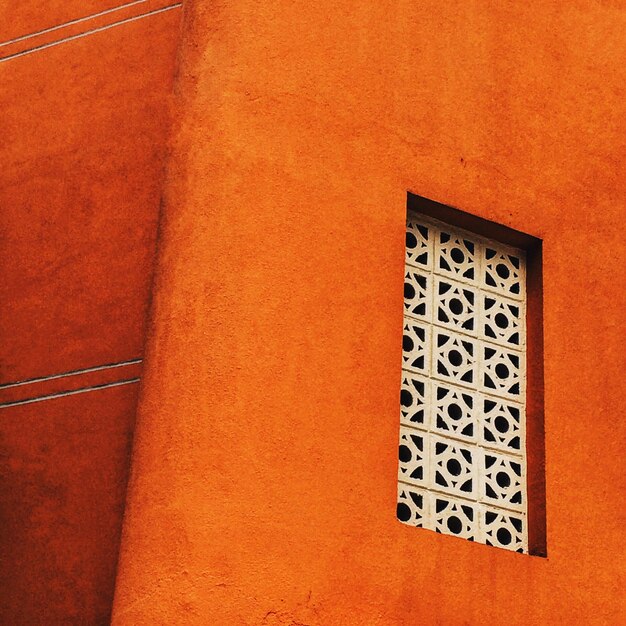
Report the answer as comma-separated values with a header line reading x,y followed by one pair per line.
x,y
462,463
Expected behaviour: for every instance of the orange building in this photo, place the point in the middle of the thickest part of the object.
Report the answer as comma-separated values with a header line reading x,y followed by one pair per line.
x,y
264,467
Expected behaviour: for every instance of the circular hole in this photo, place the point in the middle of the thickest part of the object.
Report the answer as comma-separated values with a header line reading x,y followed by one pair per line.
x,y
456,306
454,356
457,255
504,536
502,270
454,467
411,240
403,512
407,343
501,320
454,524
501,424
406,399
455,412
502,371
409,291
404,454
503,479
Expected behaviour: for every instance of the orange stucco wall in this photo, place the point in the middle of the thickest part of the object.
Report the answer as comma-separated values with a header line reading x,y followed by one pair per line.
x,y
83,119
264,468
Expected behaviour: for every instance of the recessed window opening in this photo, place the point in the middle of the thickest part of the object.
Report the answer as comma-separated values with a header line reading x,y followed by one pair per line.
x,y
463,460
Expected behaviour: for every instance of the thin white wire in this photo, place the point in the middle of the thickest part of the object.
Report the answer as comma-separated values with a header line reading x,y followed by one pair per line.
x,y
87,370
62,394
72,22
89,32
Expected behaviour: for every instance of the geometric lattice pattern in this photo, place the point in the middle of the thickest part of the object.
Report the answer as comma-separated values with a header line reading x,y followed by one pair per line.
x,y
462,464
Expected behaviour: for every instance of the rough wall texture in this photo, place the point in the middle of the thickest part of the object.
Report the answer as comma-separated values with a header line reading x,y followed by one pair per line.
x,y
63,475
264,473
83,123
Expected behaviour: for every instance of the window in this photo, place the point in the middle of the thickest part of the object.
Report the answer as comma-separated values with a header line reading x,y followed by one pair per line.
x,y
462,454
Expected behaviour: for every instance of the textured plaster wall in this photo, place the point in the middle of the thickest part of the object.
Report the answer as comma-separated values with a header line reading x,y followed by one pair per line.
x,y
82,128
264,469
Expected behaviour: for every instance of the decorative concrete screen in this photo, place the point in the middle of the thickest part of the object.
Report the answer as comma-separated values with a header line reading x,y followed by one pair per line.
x,y
462,459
